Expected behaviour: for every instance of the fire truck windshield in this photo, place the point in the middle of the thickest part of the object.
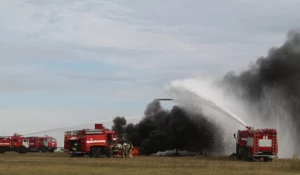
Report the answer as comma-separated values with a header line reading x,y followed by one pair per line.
x,y
71,133
51,140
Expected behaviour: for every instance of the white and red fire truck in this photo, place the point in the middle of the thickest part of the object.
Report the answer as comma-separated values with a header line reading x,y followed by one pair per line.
x,y
16,143
23,144
43,144
93,142
256,144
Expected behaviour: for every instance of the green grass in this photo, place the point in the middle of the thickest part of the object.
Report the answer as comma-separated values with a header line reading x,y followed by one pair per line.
x,y
62,164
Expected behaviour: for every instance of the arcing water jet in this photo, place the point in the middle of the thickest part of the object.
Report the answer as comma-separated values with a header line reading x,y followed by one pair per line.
x,y
200,96
213,106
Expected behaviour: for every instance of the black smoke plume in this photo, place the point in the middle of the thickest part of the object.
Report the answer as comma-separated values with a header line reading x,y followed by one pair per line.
x,y
162,130
119,123
279,70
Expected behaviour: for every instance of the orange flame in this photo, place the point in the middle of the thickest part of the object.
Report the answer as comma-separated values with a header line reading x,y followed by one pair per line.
x,y
136,151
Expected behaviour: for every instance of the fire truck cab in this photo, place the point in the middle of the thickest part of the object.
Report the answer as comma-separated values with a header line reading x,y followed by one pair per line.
x,y
50,144
255,144
43,144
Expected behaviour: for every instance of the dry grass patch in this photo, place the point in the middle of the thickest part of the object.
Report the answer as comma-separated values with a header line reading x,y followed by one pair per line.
x,y
62,164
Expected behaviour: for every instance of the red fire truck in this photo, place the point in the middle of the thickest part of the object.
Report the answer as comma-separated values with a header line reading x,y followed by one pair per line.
x,y
255,144
43,144
14,143
92,142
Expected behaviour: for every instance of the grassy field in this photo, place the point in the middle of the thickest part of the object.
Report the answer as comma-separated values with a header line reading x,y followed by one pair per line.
x,y
62,164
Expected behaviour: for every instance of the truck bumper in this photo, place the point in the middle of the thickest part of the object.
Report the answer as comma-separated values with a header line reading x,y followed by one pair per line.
x,y
269,156
75,152
52,148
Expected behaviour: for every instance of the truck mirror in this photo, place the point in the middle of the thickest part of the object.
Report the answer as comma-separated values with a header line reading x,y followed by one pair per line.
x,y
234,135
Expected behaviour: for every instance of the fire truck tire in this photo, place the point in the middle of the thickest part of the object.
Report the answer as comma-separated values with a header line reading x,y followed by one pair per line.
x,y
109,153
94,152
2,151
238,151
250,157
98,152
44,149
247,156
22,150
267,159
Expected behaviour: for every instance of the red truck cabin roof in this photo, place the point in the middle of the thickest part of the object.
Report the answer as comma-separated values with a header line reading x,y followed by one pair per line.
x,y
92,132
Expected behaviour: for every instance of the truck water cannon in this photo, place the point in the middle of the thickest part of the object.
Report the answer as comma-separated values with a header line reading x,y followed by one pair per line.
x,y
250,127
17,135
164,99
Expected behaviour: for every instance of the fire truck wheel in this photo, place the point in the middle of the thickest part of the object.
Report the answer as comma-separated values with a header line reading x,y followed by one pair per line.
x,y
109,153
267,159
238,153
250,158
94,152
22,150
98,152
44,149
247,154
2,151
243,153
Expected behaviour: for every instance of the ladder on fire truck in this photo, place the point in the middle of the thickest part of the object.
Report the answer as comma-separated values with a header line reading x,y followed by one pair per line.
x,y
255,146
274,143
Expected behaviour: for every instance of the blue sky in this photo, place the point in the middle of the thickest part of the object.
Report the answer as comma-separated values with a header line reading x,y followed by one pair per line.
x,y
71,61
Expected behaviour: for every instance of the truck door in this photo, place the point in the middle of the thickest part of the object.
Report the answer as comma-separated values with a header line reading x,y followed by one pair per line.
x,y
109,139
114,139
25,143
45,142
16,142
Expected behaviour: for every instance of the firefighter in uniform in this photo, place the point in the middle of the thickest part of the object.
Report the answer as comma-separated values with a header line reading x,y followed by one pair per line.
x,y
114,148
125,150
110,150
130,149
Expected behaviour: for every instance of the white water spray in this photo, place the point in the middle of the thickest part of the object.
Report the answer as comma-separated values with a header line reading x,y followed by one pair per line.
x,y
211,100
202,95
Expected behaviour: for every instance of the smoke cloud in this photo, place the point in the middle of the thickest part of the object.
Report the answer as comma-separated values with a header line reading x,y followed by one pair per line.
x,y
162,130
280,70
118,126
